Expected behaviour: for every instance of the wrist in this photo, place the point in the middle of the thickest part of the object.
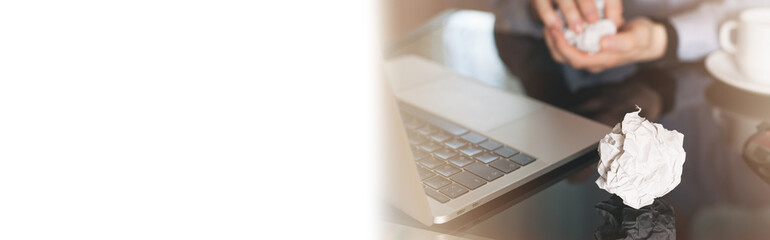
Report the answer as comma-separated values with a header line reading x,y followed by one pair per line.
x,y
658,42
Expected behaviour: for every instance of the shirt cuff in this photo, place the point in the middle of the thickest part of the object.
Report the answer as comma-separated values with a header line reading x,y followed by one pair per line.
x,y
697,33
670,56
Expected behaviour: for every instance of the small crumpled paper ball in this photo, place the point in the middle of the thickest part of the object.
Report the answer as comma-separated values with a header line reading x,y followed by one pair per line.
x,y
589,40
640,160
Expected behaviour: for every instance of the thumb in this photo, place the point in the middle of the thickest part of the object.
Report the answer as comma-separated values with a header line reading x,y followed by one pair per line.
x,y
621,42
613,10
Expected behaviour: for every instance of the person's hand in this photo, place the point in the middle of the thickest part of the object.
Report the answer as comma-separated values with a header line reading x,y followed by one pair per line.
x,y
576,12
639,40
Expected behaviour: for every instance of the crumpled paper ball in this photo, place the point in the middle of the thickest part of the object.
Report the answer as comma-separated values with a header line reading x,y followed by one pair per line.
x,y
589,40
622,222
640,160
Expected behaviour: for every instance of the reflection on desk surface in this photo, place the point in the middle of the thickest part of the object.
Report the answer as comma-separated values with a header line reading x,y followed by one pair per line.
x,y
398,231
655,221
731,222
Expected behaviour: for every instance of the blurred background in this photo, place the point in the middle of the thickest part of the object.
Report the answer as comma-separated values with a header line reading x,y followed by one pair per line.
x,y
720,196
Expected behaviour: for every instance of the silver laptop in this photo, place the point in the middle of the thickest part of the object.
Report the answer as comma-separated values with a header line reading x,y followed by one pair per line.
x,y
458,144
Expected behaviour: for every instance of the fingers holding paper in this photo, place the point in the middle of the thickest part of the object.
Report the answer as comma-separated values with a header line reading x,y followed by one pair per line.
x,y
575,13
639,40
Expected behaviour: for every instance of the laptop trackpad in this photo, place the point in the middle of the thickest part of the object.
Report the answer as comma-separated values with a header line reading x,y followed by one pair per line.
x,y
469,103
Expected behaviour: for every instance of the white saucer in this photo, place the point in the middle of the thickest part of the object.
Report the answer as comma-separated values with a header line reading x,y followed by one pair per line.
x,y
721,65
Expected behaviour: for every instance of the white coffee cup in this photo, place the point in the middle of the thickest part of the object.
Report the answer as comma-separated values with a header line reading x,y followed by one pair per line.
x,y
751,49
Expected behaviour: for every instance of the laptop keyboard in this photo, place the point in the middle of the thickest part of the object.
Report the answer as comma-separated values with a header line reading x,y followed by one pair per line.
x,y
451,160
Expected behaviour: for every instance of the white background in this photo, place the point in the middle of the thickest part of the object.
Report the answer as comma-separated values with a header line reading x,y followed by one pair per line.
x,y
189,119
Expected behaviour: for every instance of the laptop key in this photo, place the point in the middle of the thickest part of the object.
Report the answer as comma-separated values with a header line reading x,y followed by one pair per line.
x,y
447,126
473,137
490,145
441,136
486,157
483,171
445,154
461,161
522,159
452,129
447,170
427,130
437,182
424,173
468,180
419,155
415,148
470,150
504,165
430,146
413,124
416,139
455,143
454,190
431,162
506,152
436,195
